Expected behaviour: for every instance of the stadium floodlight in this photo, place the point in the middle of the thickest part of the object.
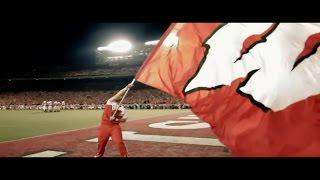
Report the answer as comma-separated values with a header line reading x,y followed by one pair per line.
x,y
118,46
148,43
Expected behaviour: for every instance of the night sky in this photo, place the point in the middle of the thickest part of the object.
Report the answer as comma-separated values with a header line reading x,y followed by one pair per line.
x,y
36,48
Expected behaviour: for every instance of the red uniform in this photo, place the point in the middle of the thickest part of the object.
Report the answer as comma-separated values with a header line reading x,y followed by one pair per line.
x,y
110,129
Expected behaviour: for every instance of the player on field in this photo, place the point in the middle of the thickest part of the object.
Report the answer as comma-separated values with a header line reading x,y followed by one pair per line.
x,y
44,106
49,106
58,106
55,106
63,105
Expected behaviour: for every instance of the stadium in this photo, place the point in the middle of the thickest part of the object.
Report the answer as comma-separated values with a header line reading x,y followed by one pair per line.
x,y
160,90
159,125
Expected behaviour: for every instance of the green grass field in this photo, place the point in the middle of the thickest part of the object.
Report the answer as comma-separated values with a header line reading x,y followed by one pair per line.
x,y
21,124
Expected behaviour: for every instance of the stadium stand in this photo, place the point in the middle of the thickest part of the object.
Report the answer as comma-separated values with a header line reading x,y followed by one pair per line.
x,y
86,88
82,97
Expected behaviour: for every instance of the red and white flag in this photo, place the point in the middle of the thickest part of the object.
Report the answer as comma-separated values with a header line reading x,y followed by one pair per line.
x,y
256,84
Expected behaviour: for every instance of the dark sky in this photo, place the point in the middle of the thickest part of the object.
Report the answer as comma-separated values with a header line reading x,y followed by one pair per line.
x,y
29,48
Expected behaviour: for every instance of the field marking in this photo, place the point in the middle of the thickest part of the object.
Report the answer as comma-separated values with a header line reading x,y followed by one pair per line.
x,y
47,153
188,117
133,136
166,125
192,115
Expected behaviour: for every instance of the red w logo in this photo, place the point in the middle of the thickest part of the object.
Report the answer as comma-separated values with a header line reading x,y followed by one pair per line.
x,y
284,59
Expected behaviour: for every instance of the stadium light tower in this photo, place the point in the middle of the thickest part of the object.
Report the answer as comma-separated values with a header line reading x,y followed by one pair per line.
x,y
119,46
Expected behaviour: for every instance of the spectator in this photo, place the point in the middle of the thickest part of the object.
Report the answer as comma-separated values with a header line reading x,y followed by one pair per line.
x,y
136,99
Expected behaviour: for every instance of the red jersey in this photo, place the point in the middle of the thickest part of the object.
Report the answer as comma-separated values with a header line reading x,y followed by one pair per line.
x,y
110,129
107,113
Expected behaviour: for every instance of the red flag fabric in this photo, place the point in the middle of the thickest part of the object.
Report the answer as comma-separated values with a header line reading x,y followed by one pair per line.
x,y
256,84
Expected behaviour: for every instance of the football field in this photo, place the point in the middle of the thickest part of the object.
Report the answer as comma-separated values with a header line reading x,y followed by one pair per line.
x,y
17,124
73,133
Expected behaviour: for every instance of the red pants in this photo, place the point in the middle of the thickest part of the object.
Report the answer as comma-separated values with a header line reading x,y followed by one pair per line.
x,y
104,134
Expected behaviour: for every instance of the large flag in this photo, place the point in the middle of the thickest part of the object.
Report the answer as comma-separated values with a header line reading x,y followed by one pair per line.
x,y
256,84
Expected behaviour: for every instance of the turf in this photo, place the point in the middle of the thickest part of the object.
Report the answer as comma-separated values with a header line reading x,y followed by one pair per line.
x,y
21,124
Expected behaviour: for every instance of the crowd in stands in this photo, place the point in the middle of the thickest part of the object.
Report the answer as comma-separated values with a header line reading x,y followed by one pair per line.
x,y
136,99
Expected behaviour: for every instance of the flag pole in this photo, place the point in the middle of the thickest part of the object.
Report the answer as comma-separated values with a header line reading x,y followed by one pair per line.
x,y
125,94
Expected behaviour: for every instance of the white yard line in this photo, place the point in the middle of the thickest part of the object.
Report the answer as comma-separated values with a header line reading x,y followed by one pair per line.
x,y
47,153
134,136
